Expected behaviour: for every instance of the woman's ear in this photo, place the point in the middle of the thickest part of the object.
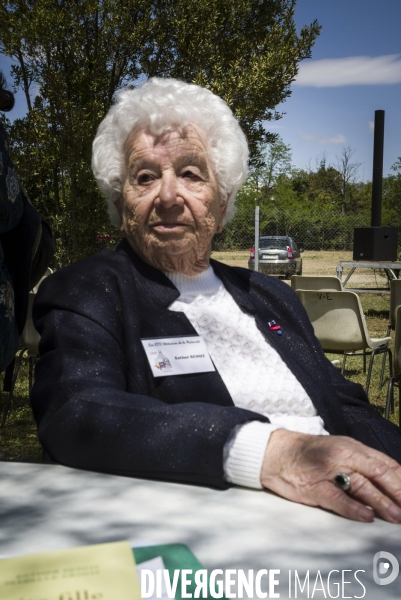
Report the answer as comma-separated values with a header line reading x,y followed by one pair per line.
x,y
118,203
223,210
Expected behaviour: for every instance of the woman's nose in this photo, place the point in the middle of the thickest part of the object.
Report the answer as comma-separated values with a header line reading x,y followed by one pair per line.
x,y
168,193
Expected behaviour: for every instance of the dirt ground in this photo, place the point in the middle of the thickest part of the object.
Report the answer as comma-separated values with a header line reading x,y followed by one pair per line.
x,y
315,262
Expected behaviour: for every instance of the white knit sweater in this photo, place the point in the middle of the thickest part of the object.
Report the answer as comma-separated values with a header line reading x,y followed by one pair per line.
x,y
253,372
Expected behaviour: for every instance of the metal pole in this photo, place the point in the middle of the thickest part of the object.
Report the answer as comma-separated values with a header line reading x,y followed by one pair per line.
x,y
256,238
377,178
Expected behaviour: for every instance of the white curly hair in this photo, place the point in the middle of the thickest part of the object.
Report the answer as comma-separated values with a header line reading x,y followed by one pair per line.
x,y
163,105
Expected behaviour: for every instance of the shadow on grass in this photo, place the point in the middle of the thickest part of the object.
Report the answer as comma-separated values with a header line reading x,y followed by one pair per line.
x,y
378,314
18,437
348,373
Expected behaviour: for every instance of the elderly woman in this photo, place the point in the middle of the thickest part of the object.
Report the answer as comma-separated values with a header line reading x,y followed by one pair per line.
x,y
257,403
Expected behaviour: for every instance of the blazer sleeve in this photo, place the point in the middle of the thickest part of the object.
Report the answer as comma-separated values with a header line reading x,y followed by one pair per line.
x,y
86,417
342,403
364,421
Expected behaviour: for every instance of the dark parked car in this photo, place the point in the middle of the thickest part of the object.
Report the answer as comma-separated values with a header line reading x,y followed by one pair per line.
x,y
278,255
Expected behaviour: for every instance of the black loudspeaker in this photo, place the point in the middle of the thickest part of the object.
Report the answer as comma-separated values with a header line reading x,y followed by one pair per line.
x,y
375,243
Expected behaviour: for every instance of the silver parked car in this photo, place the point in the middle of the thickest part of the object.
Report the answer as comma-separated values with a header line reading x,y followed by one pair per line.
x,y
278,255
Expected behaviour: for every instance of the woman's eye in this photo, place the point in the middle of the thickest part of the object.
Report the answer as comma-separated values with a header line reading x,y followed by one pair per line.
x,y
144,178
189,174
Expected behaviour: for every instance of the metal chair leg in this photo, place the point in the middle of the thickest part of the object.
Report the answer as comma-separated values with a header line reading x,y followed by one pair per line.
x,y
390,393
364,361
399,406
343,365
381,382
390,357
372,356
384,361
390,366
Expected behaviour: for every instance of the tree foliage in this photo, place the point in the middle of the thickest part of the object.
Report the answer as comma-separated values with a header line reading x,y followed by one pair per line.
x,y
72,56
392,192
270,162
246,51
308,204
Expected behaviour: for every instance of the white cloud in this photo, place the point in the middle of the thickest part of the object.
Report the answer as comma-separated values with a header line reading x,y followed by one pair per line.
x,y
353,70
320,138
371,126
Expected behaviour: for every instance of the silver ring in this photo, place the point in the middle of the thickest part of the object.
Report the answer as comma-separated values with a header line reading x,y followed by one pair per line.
x,y
342,481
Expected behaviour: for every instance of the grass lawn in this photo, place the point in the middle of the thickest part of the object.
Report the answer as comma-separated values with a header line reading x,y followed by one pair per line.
x,y
18,439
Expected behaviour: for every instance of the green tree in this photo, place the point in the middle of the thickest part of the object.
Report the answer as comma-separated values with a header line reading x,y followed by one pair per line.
x,y
71,57
322,187
268,186
392,197
273,160
246,51
308,205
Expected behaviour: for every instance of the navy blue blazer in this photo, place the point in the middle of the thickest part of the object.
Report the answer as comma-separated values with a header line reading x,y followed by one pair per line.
x,y
98,406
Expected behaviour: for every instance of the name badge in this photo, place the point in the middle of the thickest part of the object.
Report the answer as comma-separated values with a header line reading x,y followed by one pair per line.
x,y
177,355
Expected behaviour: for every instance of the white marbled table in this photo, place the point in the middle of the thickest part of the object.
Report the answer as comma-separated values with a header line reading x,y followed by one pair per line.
x,y
46,507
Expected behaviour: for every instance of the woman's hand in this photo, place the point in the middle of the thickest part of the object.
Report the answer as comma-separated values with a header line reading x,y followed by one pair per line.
x,y
301,467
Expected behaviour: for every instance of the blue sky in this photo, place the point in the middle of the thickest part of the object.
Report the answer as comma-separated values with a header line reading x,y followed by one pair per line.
x,y
364,36
333,102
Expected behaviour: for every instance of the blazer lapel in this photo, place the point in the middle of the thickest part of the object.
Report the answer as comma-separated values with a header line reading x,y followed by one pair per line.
x,y
308,366
155,294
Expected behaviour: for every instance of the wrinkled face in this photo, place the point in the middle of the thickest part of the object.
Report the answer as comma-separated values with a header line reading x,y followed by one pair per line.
x,y
170,207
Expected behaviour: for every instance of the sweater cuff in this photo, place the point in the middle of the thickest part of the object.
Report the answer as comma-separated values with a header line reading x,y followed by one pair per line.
x,y
244,452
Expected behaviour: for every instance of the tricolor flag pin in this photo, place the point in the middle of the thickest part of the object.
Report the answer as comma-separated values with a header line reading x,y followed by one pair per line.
x,y
274,327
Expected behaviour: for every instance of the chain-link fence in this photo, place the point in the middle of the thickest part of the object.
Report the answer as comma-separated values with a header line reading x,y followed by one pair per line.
x,y
311,231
